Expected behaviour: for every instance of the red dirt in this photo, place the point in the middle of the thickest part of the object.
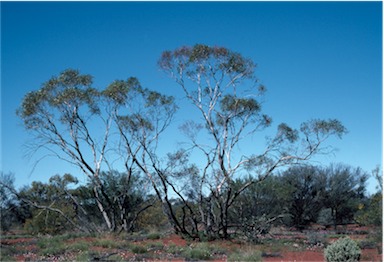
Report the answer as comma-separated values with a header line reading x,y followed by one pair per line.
x,y
287,254
371,254
15,241
174,239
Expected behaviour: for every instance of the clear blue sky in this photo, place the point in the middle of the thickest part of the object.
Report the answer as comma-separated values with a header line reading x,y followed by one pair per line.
x,y
317,59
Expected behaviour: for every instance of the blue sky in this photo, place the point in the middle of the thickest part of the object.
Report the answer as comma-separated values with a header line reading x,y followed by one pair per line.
x,y
317,59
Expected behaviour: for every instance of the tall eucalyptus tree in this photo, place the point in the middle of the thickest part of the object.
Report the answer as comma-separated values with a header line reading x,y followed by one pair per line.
x,y
79,124
223,88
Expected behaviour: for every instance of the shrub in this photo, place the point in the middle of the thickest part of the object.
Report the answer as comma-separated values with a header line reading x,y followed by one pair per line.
x,y
254,255
325,217
7,253
155,246
79,246
153,236
316,239
199,252
367,244
107,243
139,249
255,227
343,250
174,249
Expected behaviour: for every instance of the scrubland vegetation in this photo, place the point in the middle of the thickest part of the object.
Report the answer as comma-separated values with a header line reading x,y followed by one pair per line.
x,y
138,204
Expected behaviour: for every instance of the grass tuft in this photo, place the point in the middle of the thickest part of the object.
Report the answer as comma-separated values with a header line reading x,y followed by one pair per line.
x,y
137,249
253,255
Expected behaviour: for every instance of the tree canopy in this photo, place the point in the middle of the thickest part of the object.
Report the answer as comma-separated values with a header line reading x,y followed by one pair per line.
x,y
113,133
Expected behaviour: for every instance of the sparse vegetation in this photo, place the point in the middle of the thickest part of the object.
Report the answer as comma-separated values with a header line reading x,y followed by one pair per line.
x,y
82,247
198,252
138,249
251,255
230,195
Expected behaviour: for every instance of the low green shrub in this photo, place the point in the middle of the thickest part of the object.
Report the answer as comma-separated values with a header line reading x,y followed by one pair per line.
x,y
316,239
82,256
7,252
54,250
197,253
253,255
154,236
107,243
343,250
137,249
174,249
367,244
155,246
79,246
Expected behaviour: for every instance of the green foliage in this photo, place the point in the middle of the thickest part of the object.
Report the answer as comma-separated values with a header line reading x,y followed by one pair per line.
x,y
371,213
325,217
47,199
251,255
48,222
7,252
201,251
155,246
224,59
263,198
152,218
256,227
119,89
345,190
138,249
13,212
316,239
367,243
119,191
154,236
107,243
68,91
62,116
51,246
304,193
83,256
324,127
288,133
239,106
343,250
79,246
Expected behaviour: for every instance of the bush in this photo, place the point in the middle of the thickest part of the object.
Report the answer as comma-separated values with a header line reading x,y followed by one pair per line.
x,y
199,252
139,249
316,239
254,255
343,250
325,217
153,236
78,246
363,244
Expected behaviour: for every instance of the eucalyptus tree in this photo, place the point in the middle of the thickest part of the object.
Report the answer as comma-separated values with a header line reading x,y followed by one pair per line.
x,y
141,116
223,88
79,124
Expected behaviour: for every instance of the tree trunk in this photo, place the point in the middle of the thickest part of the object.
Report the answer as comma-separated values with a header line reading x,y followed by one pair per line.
x,y
106,218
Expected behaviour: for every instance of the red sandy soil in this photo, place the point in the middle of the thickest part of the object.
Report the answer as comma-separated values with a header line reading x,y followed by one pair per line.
x,y
29,247
174,239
